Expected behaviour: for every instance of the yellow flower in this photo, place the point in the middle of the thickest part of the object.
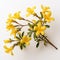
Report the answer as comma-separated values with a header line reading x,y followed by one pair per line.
x,y
48,18
10,19
25,39
14,31
45,8
30,11
8,50
7,41
17,15
46,13
39,29
10,26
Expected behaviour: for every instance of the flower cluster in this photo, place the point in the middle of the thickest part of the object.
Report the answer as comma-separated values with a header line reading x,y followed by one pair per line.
x,y
36,28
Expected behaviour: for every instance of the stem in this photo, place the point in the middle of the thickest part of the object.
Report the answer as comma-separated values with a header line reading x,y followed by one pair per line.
x,y
16,44
49,42
16,22
27,20
37,16
14,40
19,24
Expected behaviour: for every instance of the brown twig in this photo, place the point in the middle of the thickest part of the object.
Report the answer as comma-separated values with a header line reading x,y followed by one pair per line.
x,y
16,44
27,20
19,24
49,42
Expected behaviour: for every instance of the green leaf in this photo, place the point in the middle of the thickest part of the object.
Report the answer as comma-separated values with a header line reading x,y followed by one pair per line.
x,y
30,25
24,45
30,33
22,34
37,21
37,45
41,14
36,39
31,30
17,37
21,47
47,26
35,35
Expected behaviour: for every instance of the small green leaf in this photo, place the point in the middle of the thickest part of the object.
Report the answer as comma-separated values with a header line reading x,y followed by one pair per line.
x,y
47,26
21,47
24,45
17,37
36,39
41,14
35,35
30,25
22,34
30,33
37,21
37,45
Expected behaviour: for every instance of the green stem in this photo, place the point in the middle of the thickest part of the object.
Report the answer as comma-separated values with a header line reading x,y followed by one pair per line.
x,y
37,16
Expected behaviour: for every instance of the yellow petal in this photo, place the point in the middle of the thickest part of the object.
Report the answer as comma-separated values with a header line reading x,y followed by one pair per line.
x,y
28,38
7,41
42,32
27,43
25,39
21,41
39,24
13,32
43,28
35,28
5,47
37,33
48,13
10,26
17,15
30,10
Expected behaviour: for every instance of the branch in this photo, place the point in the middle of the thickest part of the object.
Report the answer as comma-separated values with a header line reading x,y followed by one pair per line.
x,y
49,42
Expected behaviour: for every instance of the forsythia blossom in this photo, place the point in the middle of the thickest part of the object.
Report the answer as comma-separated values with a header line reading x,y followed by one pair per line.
x,y
9,50
17,15
13,32
30,11
39,29
25,39
46,13
10,26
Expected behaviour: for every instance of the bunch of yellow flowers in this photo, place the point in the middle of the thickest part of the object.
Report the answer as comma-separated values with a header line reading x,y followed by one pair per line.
x,y
36,28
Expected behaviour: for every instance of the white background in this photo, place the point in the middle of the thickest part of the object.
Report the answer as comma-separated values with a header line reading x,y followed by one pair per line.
x,y
31,53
